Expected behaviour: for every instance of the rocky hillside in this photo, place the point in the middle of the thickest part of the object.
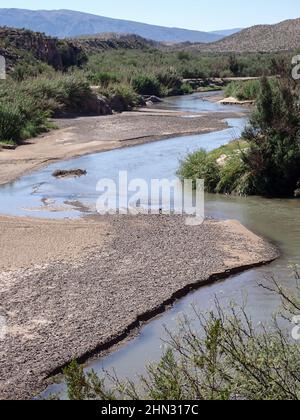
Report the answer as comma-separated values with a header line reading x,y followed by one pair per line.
x,y
17,45
284,36
96,43
68,23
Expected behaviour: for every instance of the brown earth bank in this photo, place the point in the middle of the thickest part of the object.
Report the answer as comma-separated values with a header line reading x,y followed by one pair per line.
x,y
84,135
71,289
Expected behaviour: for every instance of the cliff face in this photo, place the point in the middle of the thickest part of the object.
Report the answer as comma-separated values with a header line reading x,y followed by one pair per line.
x,y
16,44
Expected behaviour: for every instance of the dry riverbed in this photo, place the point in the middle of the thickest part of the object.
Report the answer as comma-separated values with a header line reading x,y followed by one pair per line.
x,y
71,288
80,136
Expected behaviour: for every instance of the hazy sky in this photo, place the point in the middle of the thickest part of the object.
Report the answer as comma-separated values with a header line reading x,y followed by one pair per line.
x,y
193,14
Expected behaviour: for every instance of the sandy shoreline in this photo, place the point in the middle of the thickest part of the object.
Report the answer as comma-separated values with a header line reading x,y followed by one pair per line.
x,y
90,293
86,135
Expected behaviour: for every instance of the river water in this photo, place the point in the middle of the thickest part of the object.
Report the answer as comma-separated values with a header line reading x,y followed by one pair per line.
x,y
39,194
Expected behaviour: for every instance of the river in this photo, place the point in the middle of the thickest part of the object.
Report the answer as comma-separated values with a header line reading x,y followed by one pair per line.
x,y
38,194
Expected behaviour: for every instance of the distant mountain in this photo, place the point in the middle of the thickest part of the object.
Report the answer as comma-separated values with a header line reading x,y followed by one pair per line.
x,y
227,32
284,36
67,23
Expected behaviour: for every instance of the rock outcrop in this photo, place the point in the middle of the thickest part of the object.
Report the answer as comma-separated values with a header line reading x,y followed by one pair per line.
x,y
17,44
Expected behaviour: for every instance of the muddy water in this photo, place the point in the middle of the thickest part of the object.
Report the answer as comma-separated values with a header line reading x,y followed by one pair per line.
x,y
278,220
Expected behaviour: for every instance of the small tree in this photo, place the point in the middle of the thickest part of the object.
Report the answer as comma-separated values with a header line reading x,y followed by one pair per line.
x,y
273,160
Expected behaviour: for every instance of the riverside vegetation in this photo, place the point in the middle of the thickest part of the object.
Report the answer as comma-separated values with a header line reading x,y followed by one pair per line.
x,y
266,161
57,80
227,359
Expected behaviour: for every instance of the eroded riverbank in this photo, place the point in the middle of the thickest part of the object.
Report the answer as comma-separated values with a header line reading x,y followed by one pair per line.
x,y
65,308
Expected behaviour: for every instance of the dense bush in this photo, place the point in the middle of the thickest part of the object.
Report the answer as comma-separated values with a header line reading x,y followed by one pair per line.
x,y
146,85
201,165
11,123
243,91
31,102
269,164
127,64
222,169
273,160
103,78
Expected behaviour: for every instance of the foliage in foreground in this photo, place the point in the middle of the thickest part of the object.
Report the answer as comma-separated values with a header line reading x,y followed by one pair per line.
x,y
216,357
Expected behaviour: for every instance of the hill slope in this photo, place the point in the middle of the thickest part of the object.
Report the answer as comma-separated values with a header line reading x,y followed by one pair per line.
x,y
18,45
67,23
284,36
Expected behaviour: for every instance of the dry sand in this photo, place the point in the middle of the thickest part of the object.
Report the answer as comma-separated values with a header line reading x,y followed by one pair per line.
x,y
70,296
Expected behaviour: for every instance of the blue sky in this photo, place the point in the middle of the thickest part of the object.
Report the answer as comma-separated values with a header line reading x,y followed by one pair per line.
x,y
192,14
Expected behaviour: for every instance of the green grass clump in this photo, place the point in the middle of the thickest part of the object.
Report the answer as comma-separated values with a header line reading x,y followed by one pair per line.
x,y
244,91
11,123
103,78
222,169
146,85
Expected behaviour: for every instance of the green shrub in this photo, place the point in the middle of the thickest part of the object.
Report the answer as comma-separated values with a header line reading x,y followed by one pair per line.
x,y
273,159
230,176
33,101
11,123
244,91
103,78
200,165
183,56
170,82
146,85
223,169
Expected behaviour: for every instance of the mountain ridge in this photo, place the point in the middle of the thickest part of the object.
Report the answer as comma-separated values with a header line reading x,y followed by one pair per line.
x,y
280,37
69,23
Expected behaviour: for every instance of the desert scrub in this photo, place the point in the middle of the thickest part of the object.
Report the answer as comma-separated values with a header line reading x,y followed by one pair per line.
x,y
222,169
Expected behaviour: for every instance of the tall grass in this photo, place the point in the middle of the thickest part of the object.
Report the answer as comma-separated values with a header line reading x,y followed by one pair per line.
x,y
243,91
